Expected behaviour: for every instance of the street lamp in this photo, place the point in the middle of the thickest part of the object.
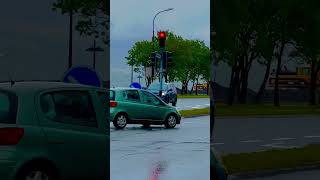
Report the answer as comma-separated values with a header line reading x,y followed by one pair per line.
x,y
169,9
139,77
94,49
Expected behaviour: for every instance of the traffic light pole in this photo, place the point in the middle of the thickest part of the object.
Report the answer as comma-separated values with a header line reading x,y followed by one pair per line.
x,y
161,71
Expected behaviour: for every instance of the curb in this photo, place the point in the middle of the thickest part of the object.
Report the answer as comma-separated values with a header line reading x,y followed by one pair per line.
x,y
273,172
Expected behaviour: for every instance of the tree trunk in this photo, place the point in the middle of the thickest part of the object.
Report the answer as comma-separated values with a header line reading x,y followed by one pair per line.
x,y
234,84
182,88
192,88
70,39
186,87
276,87
197,85
313,83
240,78
263,85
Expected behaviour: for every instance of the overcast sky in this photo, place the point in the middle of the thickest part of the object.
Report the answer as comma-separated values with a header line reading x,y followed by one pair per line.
x,y
34,42
131,21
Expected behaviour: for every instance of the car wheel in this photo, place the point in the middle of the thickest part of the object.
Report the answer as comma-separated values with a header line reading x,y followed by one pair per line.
x,y
120,121
171,121
39,172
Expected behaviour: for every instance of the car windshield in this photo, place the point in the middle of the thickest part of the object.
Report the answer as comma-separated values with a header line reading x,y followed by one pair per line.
x,y
156,87
8,108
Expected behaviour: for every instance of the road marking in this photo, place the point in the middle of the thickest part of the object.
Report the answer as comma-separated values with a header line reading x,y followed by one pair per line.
x,y
312,136
282,139
274,145
251,141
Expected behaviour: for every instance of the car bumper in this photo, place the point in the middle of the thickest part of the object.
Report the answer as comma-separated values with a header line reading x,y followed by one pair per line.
x,y
113,114
8,163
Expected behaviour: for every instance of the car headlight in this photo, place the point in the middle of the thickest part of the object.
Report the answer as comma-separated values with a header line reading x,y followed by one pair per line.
x,y
163,93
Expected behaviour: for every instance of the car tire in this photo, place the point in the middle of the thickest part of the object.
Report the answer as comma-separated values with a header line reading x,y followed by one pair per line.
x,y
38,171
120,121
171,121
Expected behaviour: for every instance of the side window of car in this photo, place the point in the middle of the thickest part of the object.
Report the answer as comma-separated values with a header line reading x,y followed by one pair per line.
x,y
149,98
69,107
132,95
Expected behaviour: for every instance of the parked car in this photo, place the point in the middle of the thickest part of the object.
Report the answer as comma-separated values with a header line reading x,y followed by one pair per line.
x,y
217,169
169,92
52,131
137,106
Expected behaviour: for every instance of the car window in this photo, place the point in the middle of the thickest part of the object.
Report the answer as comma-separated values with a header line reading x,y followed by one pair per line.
x,y
69,107
131,95
8,108
149,98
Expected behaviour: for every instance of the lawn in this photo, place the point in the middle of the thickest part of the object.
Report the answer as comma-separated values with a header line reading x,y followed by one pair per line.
x,y
195,112
272,160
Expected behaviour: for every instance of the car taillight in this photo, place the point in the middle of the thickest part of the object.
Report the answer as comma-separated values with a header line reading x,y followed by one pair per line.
x,y
10,136
113,104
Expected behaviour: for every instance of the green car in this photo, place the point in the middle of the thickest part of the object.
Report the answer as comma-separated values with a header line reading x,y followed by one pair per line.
x,y
136,106
53,131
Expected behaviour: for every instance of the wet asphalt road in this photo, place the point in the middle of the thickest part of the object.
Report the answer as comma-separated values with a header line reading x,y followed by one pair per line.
x,y
192,103
235,135
307,175
180,153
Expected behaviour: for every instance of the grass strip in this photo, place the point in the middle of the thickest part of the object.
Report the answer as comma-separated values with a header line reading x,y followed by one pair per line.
x,y
195,112
274,159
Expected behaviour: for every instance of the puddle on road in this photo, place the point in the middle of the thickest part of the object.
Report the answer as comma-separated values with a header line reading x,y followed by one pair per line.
x,y
158,169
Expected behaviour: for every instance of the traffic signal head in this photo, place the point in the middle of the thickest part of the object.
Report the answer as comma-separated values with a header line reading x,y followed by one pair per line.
x,y
162,38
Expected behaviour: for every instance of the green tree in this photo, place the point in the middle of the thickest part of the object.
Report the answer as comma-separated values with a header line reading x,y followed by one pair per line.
x,y
187,58
307,39
94,19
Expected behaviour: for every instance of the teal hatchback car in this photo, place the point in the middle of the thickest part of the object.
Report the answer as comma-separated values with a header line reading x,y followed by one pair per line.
x,y
136,106
53,131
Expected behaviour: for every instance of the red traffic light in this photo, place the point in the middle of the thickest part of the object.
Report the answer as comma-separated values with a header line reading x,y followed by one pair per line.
x,y
162,34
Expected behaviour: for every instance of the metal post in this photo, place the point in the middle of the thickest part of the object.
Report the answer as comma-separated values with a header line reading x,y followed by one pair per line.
x,y
132,73
94,54
70,39
161,71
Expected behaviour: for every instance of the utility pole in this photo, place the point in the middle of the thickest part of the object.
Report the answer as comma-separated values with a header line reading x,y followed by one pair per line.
x,y
169,9
131,73
162,41
161,71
